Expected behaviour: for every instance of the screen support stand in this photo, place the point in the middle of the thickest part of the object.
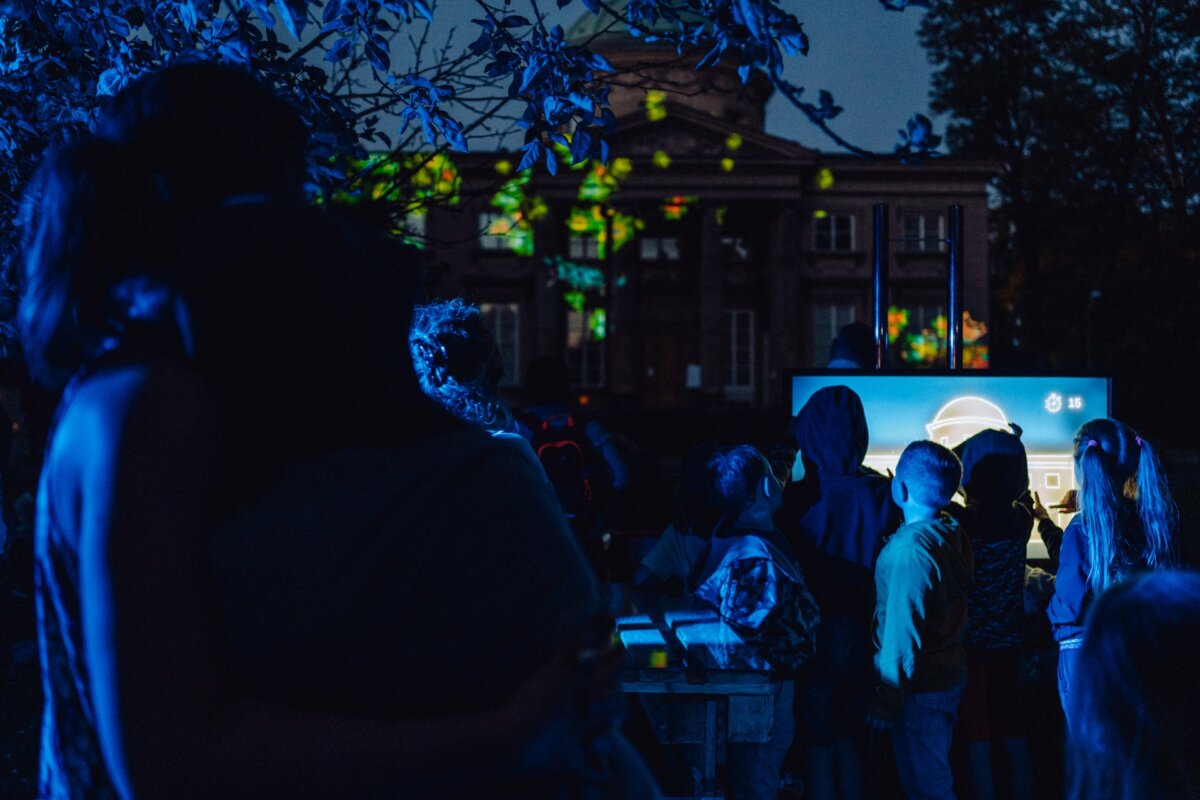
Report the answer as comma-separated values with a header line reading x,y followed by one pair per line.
x,y
954,308
880,247
879,257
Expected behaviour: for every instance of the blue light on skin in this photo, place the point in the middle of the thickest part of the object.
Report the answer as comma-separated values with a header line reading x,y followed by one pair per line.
x,y
760,514
913,510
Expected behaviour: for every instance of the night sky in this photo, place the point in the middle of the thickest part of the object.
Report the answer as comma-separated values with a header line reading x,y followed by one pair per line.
x,y
869,58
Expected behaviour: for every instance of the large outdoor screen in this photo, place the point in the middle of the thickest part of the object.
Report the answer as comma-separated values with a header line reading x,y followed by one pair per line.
x,y
949,408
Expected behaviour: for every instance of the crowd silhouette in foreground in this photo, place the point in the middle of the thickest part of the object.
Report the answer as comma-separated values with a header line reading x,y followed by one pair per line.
x,y
291,542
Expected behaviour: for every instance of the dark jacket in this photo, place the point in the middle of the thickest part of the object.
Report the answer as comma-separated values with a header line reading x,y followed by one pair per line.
x,y
837,516
995,477
922,581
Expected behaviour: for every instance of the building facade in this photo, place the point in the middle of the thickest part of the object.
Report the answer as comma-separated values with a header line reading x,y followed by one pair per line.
x,y
735,255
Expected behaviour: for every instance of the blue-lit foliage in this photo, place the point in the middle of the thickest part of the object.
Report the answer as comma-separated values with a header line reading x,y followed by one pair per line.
x,y
335,61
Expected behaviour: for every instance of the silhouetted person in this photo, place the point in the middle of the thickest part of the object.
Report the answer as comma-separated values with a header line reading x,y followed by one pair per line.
x,y
995,478
853,348
836,519
578,454
1137,711
184,418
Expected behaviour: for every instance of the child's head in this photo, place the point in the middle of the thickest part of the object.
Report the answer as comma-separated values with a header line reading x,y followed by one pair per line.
x,y
1136,708
995,469
926,479
742,480
93,220
1127,507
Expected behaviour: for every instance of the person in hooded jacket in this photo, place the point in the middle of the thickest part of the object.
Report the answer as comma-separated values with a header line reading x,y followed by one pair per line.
x,y
995,479
836,519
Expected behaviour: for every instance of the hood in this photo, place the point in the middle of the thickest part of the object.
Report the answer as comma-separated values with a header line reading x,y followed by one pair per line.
x,y
831,431
995,469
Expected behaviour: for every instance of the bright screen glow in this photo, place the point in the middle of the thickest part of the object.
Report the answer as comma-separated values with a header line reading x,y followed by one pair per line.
x,y
951,408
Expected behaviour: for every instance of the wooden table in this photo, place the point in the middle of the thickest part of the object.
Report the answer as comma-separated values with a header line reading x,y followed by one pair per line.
x,y
708,688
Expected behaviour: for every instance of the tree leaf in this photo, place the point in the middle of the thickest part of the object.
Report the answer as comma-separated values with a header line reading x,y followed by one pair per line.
x,y
341,48
295,16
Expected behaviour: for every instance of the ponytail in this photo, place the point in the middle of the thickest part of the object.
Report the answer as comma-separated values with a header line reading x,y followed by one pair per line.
x,y
1128,512
1099,501
1156,509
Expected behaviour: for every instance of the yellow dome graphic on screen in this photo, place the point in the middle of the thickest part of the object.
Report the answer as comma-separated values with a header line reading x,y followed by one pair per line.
x,y
962,418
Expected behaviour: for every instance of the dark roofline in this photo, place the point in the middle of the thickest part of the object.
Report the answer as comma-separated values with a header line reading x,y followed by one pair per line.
x,y
787,148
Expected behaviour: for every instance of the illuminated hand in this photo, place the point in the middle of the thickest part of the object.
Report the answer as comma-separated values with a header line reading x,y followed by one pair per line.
x,y
1039,510
1069,503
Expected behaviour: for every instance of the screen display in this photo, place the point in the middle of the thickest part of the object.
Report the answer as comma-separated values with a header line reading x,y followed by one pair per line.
x,y
949,409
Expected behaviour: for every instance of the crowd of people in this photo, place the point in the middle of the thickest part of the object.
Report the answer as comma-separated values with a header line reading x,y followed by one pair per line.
x,y
923,604
291,540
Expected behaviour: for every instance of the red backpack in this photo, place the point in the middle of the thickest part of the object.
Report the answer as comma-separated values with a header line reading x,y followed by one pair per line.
x,y
562,447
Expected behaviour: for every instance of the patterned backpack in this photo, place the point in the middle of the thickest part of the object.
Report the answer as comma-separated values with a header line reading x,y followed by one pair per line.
x,y
760,592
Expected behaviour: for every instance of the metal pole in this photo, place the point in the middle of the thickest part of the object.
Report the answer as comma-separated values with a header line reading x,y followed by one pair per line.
x,y
879,255
609,301
954,313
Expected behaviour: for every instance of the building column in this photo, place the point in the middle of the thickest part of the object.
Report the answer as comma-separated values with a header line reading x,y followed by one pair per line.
x,y
783,280
547,334
710,303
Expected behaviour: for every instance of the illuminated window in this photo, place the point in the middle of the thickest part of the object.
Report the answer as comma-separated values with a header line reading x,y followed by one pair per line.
x,y
504,321
414,225
828,319
833,232
659,248
584,247
925,315
585,350
492,227
924,233
737,370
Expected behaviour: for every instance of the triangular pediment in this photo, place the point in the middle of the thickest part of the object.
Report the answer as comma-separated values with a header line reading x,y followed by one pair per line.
x,y
686,133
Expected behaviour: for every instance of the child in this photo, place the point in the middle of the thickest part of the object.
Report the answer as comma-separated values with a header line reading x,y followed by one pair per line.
x,y
757,588
1126,523
921,582
836,519
995,478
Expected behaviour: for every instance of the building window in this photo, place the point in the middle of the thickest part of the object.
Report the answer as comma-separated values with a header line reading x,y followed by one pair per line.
x,y
584,247
415,225
924,233
504,321
734,249
659,248
737,374
926,315
492,229
585,348
833,232
828,319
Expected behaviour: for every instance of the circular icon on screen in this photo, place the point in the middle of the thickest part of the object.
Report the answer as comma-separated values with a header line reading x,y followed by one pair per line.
x,y
1054,402
962,418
